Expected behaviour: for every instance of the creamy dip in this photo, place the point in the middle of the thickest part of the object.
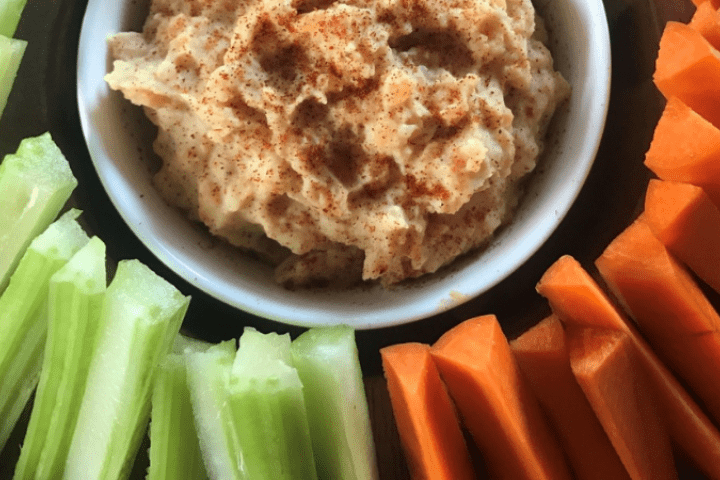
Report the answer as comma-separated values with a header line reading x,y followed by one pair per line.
x,y
345,140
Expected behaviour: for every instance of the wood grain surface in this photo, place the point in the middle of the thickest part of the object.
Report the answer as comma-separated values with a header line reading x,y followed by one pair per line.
x,y
44,99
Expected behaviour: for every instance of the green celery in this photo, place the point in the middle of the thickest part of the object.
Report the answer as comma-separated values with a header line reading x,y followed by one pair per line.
x,y
208,375
74,303
250,411
23,315
10,12
174,448
141,316
327,362
11,54
184,344
35,183
268,408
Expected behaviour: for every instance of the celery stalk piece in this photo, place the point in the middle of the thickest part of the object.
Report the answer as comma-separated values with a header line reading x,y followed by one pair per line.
x,y
11,54
35,183
327,361
141,316
174,448
208,374
74,303
183,344
23,315
10,12
268,408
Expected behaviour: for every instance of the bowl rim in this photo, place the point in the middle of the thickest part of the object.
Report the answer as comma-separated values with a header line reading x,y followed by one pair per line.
x,y
399,305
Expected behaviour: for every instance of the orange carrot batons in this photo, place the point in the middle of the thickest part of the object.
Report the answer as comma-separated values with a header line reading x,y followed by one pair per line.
x,y
427,422
605,366
543,357
686,148
578,301
495,403
706,21
714,3
684,219
688,67
669,307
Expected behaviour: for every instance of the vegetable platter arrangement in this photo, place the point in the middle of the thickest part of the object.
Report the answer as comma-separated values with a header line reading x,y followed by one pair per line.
x,y
599,358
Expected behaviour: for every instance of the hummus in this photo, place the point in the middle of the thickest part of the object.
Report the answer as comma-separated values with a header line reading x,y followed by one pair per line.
x,y
343,140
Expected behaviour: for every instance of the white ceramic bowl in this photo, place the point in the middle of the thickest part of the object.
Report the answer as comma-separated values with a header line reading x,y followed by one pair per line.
x,y
119,139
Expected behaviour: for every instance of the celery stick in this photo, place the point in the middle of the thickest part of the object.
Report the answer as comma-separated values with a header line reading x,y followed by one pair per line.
x,y
208,375
141,316
10,11
327,362
11,54
23,315
74,302
174,448
183,344
268,407
35,183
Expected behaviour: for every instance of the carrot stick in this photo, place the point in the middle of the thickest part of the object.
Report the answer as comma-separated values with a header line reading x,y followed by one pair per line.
x,y
498,408
686,148
688,67
684,219
605,365
543,357
669,307
427,422
706,21
714,3
578,300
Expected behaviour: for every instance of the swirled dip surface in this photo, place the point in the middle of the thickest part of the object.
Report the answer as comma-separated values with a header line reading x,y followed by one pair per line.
x,y
348,139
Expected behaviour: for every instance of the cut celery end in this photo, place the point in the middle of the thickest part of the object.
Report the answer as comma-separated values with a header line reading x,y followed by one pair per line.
x,y
262,355
327,362
141,316
174,447
74,303
23,315
35,183
268,408
11,54
208,374
184,344
10,12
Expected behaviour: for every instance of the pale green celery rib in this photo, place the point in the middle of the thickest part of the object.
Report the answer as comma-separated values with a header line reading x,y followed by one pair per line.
x,y
208,374
327,362
35,183
269,410
141,316
23,315
11,54
183,344
174,447
74,303
10,12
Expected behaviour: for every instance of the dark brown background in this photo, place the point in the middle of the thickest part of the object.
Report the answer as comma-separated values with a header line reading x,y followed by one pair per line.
x,y
44,99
